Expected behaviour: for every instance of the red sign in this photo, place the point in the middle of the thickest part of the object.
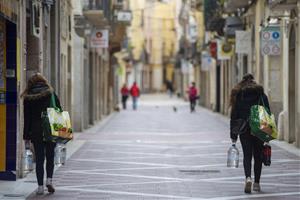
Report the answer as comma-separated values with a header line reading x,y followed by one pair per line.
x,y
213,49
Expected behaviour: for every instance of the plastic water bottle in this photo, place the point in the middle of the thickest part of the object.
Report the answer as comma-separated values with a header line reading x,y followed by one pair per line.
x,y
233,157
28,160
60,154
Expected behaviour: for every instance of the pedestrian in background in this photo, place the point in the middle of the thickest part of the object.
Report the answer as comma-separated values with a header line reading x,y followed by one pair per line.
x,y
192,92
125,94
37,97
170,89
243,96
135,93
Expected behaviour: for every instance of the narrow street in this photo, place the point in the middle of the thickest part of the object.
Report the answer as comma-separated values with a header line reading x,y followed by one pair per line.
x,y
157,153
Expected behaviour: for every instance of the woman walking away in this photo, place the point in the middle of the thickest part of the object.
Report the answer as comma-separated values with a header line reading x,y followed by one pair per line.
x,y
193,96
37,97
244,95
124,93
135,93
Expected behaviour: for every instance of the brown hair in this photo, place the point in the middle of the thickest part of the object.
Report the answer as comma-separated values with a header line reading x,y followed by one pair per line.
x,y
33,80
247,79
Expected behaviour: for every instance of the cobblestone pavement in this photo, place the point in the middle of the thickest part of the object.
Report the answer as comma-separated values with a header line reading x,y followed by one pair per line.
x,y
157,153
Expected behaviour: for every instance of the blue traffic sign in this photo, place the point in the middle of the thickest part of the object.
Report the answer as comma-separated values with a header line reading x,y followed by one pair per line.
x,y
276,35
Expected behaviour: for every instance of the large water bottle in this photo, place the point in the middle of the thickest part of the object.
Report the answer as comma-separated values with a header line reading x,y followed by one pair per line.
x,y
60,154
233,157
28,161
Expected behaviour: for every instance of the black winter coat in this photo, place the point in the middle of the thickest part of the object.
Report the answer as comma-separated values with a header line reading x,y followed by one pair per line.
x,y
35,102
252,94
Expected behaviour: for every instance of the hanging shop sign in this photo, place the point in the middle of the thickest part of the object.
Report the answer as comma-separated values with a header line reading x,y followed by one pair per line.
x,y
243,42
213,47
271,41
124,16
225,50
206,61
100,38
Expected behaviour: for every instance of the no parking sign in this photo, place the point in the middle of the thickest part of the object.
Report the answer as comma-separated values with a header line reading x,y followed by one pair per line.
x,y
271,41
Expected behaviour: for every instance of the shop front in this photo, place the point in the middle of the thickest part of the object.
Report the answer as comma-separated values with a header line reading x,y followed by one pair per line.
x,y
8,90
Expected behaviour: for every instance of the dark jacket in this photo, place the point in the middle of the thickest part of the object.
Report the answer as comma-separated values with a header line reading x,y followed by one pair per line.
x,y
35,102
252,94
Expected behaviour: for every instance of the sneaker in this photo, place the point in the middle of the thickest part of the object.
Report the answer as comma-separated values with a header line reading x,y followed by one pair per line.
x,y
40,190
49,185
256,187
248,185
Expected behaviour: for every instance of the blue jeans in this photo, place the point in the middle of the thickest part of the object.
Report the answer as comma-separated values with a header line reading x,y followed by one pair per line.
x,y
134,103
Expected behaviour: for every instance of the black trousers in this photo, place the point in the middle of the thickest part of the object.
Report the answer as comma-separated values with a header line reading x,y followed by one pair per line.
x,y
124,101
252,147
193,104
42,149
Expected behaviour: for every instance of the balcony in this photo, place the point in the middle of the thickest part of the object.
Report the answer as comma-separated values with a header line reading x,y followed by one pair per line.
x,y
96,11
118,4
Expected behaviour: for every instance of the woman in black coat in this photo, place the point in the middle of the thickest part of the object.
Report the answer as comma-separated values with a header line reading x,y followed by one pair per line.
x,y
243,96
37,97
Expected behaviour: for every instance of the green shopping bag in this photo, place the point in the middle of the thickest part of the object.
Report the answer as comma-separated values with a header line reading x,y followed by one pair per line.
x,y
262,123
56,124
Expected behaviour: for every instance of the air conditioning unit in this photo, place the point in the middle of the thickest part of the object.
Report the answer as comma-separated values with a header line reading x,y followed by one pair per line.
x,y
35,18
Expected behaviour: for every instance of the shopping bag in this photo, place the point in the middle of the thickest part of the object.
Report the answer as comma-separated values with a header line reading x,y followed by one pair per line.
x,y
262,123
266,154
56,124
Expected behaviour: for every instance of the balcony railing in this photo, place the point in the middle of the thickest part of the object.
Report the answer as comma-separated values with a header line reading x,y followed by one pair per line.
x,y
92,5
98,12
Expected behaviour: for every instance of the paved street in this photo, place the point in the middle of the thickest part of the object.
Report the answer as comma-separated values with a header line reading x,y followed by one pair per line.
x,y
157,153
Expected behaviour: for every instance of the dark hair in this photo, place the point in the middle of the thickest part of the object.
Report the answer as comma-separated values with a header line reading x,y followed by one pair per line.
x,y
247,79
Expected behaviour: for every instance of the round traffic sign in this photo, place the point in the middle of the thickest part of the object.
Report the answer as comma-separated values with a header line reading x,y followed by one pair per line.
x,y
266,35
275,35
266,50
275,49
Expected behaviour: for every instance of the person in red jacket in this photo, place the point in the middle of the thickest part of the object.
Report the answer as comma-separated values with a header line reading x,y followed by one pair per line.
x,y
193,96
135,93
125,94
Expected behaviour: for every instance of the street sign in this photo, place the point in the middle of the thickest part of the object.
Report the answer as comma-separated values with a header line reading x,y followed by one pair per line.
x,y
100,38
124,16
225,50
243,42
271,41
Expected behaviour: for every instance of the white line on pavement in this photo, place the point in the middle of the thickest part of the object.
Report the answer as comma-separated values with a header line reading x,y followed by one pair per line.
x,y
180,179
120,184
126,193
263,184
242,177
123,162
120,169
131,175
252,196
178,197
